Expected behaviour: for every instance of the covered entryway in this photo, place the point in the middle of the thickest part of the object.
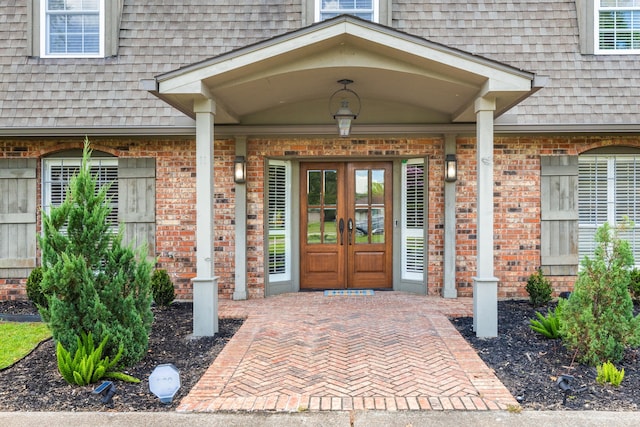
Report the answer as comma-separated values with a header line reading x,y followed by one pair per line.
x,y
345,225
408,86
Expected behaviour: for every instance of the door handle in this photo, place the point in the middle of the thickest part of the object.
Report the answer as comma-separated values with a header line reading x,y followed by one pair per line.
x,y
350,228
341,228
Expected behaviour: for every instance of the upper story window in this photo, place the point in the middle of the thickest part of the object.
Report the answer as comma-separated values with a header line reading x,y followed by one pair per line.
x,y
72,28
365,9
617,26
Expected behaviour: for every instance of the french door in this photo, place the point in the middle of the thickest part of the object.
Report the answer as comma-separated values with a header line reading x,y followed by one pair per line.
x,y
346,225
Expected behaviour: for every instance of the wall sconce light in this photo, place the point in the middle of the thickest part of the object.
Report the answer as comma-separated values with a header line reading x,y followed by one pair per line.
x,y
344,115
450,168
240,170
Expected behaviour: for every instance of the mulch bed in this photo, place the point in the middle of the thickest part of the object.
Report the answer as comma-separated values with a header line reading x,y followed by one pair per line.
x,y
529,365
525,362
34,384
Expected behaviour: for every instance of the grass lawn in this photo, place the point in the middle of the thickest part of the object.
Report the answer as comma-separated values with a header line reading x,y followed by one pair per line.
x,y
18,339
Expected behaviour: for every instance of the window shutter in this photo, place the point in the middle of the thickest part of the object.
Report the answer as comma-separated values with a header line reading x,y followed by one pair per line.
x,y
137,201
17,217
559,215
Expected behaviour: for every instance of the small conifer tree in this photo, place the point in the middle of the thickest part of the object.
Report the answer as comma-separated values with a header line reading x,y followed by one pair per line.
x,y
597,320
93,283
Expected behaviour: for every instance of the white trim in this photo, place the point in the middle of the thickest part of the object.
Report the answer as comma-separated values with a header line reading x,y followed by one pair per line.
x,y
44,33
375,18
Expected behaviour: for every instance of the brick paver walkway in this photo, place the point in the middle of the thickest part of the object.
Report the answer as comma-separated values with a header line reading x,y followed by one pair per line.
x,y
306,351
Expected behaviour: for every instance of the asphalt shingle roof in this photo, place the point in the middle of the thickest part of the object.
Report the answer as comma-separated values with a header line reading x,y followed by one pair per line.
x,y
160,36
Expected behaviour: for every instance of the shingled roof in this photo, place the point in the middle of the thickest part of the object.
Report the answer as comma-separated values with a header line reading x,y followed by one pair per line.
x,y
38,94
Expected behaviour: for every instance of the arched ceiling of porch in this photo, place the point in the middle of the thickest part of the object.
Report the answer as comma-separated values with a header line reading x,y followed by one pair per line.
x,y
289,80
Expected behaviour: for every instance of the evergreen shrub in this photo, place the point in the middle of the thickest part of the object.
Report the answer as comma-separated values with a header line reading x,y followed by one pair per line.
x,y
94,284
34,288
539,289
162,288
597,320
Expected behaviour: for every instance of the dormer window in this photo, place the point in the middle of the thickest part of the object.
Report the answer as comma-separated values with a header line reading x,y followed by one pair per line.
x,y
365,9
618,26
72,28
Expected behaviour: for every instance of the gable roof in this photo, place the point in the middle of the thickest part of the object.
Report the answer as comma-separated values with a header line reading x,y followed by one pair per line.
x,y
399,78
585,92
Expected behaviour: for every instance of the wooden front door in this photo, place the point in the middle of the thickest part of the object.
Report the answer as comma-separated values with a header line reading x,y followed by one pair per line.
x,y
346,225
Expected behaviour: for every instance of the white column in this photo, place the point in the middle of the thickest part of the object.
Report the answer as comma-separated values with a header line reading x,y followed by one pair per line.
x,y
205,285
485,284
240,292
449,289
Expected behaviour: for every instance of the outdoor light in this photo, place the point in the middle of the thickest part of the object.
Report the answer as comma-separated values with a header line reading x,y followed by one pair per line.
x,y
450,168
564,384
164,382
344,115
239,170
107,390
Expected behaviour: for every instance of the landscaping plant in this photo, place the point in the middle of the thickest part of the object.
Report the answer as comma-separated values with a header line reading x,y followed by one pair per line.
x,y
93,283
539,289
634,285
548,325
87,364
608,373
34,288
162,288
597,320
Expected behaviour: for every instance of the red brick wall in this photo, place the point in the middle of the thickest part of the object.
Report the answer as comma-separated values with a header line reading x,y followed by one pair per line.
x,y
516,209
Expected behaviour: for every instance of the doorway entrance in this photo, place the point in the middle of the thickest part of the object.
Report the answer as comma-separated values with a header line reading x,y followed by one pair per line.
x,y
346,225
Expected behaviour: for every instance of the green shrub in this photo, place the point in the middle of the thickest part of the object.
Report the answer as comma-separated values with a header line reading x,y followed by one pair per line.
x,y
634,285
87,365
34,288
608,373
597,320
94,283
539,289
162,288
548,325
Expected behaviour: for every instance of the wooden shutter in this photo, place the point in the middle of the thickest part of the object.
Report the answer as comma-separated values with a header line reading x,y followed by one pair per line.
x,y
137,201
559,215
413,219
17,217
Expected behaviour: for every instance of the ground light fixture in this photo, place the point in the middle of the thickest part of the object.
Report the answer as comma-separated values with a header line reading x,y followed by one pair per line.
x,y
164,382
107,390
343,115
564,384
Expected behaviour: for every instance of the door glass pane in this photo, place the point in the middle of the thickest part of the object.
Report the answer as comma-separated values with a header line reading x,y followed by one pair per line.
x,y
362,226
329,224
362,187
313,226
330,187
377,187
314,187
377,225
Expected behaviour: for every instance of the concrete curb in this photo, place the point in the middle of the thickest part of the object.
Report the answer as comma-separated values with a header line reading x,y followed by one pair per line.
x,y
324,419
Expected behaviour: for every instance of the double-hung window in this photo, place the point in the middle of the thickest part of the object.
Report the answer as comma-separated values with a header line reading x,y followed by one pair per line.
x,y
72,28
365,9
617,26
608,191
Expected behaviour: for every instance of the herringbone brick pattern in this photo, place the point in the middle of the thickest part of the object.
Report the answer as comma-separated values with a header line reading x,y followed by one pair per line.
x,y
307,351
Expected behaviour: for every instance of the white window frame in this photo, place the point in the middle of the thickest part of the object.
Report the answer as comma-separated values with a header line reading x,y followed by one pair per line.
x,y
44,33
285,233
412,233
601,208
598,7
375,10
75,162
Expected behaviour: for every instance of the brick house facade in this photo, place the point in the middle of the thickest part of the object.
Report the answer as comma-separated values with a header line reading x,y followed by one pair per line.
x,y
51,100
